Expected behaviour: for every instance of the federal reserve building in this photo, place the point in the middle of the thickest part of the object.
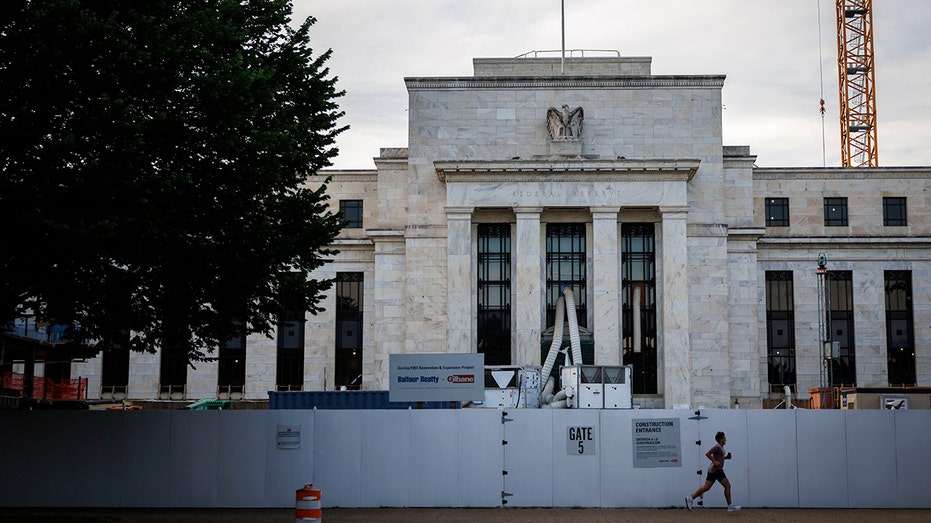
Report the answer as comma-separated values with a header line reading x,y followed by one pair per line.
x,y
716,282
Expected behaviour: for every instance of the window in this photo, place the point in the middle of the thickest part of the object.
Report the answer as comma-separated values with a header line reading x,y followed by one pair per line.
x,y
231,375
494,293
290,360
565,266
173,375
351,211
835,212
777,212
780,329
840,327
349,330
900,331
638,267
114,376
894,212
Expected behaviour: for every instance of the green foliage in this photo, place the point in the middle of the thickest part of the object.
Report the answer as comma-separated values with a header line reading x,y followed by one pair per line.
x,y
152,156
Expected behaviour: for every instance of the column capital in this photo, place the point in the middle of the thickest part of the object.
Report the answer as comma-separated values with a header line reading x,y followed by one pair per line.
x,y
528,210
673,211
459,211
600,211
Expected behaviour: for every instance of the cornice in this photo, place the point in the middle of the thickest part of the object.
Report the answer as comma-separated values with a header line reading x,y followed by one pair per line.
x,y
565,170
840,173
355,175
846,242
568,82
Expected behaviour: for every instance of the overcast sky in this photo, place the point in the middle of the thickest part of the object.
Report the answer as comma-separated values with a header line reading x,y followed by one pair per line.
x,y
770,50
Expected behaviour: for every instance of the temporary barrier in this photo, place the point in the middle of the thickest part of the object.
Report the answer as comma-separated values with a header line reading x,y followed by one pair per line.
x,y
308,507
44,388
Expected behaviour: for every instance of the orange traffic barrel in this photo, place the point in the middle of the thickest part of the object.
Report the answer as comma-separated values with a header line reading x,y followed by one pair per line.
x,y
308,504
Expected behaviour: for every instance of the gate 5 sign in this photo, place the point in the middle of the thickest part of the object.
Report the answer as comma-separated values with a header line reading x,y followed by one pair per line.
x,y
580,440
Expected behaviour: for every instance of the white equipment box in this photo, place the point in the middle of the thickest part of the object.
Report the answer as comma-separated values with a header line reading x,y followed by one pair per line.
x,y
617,383
512,387
597,386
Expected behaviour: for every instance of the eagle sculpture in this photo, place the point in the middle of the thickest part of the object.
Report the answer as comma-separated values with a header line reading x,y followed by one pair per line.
x,y
564,124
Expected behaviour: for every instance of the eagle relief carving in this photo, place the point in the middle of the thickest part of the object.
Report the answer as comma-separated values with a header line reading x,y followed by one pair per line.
x,y
564,124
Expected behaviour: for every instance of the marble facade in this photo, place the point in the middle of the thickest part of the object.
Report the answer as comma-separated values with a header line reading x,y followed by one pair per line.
x,y
650,150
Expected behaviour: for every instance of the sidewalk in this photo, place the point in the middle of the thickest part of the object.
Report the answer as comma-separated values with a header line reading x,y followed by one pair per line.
x,y
464,515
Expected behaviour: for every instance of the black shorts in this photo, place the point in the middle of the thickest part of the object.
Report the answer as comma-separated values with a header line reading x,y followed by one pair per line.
x,y
717,475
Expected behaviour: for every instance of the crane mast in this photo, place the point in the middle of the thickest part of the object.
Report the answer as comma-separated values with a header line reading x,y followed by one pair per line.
x,y
857,83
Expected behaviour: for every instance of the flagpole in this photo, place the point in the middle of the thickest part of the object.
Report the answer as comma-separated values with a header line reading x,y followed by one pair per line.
x,y
562,12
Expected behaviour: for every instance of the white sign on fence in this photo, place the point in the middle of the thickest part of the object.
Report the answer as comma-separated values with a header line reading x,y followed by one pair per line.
x,y
436,377
657,443
289,436
580,441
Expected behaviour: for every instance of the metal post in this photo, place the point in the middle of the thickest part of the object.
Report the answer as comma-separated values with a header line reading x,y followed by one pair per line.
x,y
562,12
824,356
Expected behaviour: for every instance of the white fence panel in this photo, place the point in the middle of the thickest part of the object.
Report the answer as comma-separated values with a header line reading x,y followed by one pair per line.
x,y
338,457
528,457
287,469
913,457
871,458
145,448
194,458
241,458
434,445
386,458
481,457
576,478
772,459
822,458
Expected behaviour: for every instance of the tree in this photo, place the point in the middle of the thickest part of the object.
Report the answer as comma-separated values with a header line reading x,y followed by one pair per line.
x,y
152,156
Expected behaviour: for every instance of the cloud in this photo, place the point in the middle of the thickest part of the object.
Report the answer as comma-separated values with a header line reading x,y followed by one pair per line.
x,y
776,62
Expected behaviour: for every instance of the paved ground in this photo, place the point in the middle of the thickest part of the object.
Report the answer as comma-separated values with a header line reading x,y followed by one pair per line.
x,y
480,515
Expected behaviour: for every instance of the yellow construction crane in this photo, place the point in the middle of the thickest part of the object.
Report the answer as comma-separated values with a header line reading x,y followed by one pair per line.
x,y
857,83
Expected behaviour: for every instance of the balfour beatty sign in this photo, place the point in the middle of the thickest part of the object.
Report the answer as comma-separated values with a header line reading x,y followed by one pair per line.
x,y
436,377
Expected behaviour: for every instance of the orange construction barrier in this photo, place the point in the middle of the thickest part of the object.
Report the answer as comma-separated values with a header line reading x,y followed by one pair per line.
x,y
308,506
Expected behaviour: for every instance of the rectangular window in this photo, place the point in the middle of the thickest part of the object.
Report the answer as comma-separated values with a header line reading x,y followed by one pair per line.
x,y
638,269
894,212
114,376
840,328
780,329
173,375
835,212
565,266
777,212
351,211
494,293
348,369
290,360
900,331
231,374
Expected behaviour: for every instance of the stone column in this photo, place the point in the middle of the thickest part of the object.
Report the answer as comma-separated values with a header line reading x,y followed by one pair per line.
x,y
388,304
606,307
528,288
674,318
460,305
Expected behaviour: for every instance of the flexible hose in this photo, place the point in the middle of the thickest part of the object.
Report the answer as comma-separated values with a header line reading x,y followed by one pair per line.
x,y
557,338
573,326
